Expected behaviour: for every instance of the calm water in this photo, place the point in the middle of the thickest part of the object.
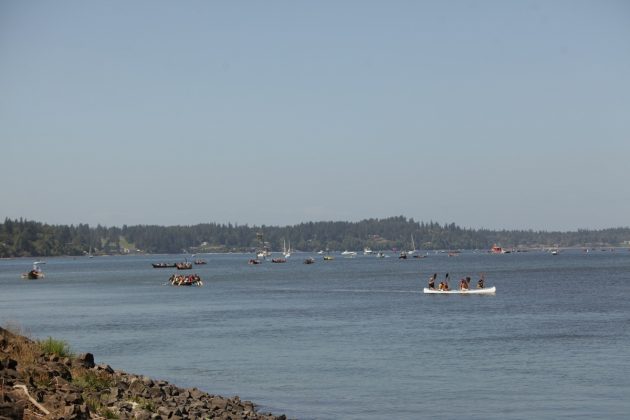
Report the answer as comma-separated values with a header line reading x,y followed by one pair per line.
x,y
353,338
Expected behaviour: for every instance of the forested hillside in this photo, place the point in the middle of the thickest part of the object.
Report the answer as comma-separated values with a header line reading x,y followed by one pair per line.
x,y
29,238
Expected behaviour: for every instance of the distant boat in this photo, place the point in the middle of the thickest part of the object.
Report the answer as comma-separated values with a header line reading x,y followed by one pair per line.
x,y
164,265
263,251
263,254
328,258
413,247
35,273
380,254
190,280
200,262
278,260
183,265
286,251
347,253
367,251
309,260
489,291
497,249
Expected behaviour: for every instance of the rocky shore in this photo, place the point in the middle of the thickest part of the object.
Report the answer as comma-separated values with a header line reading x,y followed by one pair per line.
x,y
40,384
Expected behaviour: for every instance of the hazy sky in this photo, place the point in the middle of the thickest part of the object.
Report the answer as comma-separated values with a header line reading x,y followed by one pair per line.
x,y
495,114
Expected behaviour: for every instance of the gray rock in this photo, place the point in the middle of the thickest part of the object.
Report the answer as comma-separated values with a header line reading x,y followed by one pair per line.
x,y
136,388
165,412
147,381
218,403
73,398
106,368
142,415
196,394
86,360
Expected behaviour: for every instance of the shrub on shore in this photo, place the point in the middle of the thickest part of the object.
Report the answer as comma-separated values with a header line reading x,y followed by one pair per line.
x,y
57,347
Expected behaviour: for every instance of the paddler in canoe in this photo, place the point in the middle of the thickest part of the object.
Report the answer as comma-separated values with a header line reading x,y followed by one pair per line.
x,y
444,284
432,281
480,283
463,283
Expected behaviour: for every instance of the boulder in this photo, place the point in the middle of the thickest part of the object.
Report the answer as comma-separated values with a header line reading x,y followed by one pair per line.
x,y
142,415
8,363
218,403
136,388
196,394
86,360
106,368
72,398
11,410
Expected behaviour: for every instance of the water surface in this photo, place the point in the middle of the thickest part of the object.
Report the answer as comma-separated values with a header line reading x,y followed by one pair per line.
x,y
353,338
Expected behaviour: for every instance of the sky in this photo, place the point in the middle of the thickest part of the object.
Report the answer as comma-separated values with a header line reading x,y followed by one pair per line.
x,y
487,114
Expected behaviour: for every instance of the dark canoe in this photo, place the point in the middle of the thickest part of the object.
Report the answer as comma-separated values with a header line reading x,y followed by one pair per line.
x,y
163,265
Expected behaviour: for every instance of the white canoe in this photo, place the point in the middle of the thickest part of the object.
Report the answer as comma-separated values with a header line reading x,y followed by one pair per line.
x,y
486,291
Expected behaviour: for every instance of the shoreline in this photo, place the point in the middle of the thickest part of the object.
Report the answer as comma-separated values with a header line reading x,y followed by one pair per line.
x,y
41,384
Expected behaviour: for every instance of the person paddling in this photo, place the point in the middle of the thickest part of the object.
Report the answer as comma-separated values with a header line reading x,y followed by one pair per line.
x,y
432,281
480,283
446,283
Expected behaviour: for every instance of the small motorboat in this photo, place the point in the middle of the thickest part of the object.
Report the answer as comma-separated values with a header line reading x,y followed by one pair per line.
x,y
309,260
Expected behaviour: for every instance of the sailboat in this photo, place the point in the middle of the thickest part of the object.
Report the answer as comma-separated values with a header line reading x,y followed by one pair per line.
x,y
263,252
286,251
413,247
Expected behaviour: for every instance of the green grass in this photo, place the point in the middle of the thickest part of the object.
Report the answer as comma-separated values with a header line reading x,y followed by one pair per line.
x,y
57,347
144,403
92,380
96,406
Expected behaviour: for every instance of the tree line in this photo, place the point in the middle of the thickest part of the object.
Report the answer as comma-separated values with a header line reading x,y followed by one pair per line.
x,y
21,237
